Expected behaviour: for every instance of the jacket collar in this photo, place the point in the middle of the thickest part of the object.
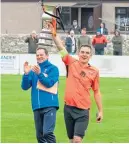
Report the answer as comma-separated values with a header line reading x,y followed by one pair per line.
x,y
43,64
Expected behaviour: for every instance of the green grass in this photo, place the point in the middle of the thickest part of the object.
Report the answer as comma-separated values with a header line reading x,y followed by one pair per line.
x,y
17,123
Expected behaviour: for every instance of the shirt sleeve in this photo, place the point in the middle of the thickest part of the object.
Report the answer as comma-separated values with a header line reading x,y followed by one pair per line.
x,y
93,41
67,59
105,39
96,82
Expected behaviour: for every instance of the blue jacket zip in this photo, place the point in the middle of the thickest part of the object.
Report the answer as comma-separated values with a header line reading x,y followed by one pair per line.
x,y
40,98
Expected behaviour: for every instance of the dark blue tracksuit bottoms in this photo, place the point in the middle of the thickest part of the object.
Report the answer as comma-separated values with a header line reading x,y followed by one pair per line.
x,y
45,119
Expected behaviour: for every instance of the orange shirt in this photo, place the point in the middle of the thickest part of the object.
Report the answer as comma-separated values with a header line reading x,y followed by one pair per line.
x,y
79,82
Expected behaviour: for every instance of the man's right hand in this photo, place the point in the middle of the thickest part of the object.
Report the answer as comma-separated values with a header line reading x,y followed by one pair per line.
x,y
99,117
56,38
27,68
52,27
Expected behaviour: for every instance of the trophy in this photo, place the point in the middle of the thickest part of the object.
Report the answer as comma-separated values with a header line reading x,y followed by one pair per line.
x,y
51,14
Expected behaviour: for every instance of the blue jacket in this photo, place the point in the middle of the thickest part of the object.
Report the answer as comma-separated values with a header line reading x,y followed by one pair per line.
x,y
105,31
68,44
41,98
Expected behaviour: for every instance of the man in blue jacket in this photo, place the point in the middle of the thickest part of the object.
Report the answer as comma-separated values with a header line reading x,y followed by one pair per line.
x,y
43,80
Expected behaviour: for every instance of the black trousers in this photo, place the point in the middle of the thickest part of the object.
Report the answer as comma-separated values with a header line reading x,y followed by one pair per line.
x,y
118,53
45,119
99,51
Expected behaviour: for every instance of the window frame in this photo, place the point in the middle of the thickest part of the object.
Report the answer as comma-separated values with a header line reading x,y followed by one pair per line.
x,y
126,15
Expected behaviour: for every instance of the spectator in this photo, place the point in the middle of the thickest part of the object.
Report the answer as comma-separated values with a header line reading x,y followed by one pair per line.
x,y
84,39
68,43
75,27
117,42
103,30
32,41
74,46
71,43
99,42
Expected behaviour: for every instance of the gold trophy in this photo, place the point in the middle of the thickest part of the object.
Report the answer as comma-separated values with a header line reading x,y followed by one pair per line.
x,y
51,14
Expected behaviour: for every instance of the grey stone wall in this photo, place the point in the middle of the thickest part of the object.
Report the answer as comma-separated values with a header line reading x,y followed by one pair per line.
x,y
16,44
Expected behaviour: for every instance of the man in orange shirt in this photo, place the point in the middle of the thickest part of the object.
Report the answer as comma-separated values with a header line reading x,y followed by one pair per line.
x,y
81,77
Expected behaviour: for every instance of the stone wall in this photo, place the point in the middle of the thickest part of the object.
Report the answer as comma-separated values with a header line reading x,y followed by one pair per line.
x,y
16,44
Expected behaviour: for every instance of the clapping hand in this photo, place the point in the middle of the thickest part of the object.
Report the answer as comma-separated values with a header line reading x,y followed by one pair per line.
x,y
36,69
27,68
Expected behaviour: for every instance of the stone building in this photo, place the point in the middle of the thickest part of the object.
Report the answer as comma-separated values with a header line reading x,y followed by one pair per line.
x,y
20,17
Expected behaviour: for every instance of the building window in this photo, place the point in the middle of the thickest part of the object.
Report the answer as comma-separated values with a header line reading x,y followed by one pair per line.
x,y
122,18
66,17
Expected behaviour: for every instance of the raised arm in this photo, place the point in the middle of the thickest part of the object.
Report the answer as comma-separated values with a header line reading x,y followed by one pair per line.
x,y
67,59
58,43
56,38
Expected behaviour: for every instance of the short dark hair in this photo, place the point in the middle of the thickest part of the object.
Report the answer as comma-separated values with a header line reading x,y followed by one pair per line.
x,y
45,50
117,30
84,29
86,46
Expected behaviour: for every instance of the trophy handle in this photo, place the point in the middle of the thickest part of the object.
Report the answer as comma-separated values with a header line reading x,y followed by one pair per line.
x,y
56,16
51,16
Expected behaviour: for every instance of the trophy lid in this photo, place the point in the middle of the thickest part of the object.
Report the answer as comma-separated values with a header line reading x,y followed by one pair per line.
x,y
46,16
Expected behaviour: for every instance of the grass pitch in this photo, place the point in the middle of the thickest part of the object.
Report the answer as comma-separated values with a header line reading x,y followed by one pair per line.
x,y
17,124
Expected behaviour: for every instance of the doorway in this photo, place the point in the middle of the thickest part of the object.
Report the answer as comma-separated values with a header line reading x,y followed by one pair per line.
x,y
87,20
74,14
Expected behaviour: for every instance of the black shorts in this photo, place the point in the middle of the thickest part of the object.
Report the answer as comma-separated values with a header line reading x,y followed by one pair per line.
x,y
76,121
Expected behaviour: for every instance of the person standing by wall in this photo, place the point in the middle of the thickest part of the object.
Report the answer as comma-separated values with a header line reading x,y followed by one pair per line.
x,y
75,27
84,39
103,30
32,41
74,46
99,42
117,42
70,43
43,80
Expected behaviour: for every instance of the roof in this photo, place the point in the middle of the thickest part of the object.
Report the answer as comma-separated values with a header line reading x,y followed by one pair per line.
x,y
88,4
66,1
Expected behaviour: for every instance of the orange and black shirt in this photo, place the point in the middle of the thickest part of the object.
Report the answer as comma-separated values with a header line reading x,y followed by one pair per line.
x,y
79,81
